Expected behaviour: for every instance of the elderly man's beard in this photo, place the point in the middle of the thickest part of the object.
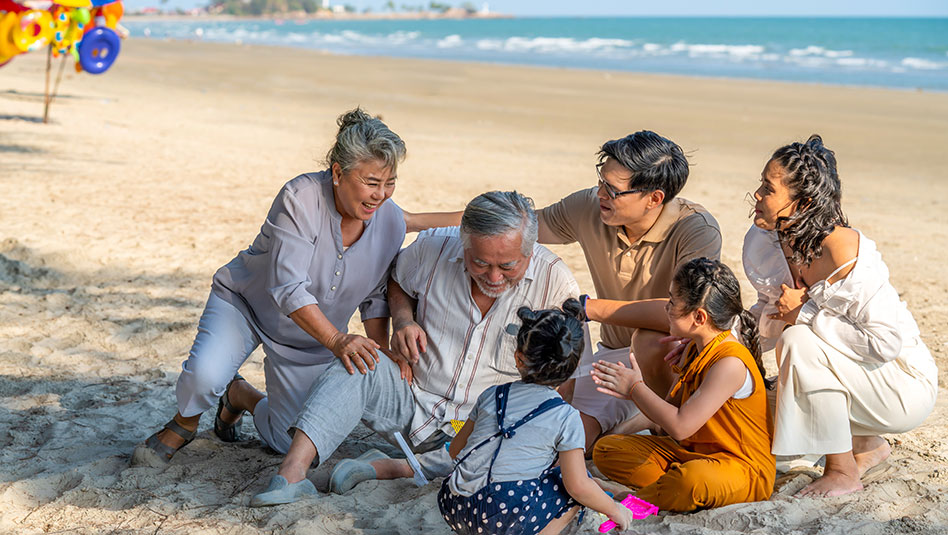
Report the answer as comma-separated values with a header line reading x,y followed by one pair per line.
x,y
494,291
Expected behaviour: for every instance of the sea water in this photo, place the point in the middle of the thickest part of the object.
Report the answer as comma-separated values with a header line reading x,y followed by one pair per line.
x,y
888,52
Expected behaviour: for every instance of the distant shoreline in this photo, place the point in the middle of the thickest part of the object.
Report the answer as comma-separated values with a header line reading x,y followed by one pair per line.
x,y
321,15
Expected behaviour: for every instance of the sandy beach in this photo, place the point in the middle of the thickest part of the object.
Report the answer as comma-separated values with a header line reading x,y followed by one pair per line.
x,y
114,217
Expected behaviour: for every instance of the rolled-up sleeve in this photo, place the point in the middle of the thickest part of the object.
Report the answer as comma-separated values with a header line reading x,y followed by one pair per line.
x,y
292,231
411,269
376,304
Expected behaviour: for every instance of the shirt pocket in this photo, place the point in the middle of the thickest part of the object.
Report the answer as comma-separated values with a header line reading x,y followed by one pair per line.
x,y
505,346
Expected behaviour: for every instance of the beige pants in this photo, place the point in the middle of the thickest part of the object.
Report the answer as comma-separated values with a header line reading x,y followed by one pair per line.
x,y
824,397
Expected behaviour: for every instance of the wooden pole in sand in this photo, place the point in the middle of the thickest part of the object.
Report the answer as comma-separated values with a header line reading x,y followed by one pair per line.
x,y
49,66
59,77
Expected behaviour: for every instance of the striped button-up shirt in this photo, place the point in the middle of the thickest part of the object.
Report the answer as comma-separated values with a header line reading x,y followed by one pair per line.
x,y
467,352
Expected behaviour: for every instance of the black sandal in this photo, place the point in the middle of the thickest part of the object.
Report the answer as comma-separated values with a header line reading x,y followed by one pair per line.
x,y
228,432
157,454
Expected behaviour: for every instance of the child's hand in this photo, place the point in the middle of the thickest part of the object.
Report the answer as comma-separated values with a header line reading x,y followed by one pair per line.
x,y
678,345
615,379
622,516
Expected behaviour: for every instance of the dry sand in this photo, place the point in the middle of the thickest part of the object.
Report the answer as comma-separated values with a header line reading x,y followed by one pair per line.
x,y
114,217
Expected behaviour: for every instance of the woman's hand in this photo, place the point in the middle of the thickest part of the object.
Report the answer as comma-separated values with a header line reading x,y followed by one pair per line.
x,y
789,304
409,341
615,379
353,349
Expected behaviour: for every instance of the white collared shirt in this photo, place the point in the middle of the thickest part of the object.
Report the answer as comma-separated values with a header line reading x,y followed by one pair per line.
x,y
467,352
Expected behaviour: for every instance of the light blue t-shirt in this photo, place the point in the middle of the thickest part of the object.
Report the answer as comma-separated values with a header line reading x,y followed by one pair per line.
x,y
532,449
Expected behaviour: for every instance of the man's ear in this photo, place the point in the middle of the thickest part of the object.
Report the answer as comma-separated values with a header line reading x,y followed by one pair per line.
x,y
656,198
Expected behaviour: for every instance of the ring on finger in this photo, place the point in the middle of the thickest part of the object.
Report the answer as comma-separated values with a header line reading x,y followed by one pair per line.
x,y
352,353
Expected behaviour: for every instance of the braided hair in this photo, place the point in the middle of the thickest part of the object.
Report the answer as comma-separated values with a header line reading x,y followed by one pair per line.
x,y
711,285
551,342
814,183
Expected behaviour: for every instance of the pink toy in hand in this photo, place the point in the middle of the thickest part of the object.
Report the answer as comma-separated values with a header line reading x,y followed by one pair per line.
x,y
640,509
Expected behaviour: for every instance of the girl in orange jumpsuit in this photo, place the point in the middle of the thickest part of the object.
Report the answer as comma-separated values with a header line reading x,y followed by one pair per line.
x,y
719,427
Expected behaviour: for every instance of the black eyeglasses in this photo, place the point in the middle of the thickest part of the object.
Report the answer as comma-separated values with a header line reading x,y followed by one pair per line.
x,y
610,189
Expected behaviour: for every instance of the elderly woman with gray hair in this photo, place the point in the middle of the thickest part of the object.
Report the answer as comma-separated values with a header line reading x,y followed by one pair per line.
x,y
324,250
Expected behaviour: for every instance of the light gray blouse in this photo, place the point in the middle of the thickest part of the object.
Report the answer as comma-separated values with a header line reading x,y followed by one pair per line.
x,y
298,260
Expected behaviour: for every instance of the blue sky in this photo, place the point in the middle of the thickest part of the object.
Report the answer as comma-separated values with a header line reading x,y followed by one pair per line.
x,y
924,8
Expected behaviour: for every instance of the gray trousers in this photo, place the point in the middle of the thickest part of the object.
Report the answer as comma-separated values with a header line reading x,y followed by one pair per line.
x,y
380,399
224,341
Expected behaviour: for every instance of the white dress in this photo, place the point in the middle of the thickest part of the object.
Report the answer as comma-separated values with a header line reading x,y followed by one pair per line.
x,y
853,364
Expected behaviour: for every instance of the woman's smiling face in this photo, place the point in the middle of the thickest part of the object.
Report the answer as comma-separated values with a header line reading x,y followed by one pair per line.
x,y
361,190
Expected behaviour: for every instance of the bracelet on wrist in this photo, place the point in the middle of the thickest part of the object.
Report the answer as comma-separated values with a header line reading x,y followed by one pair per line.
x,y
582,302
635,384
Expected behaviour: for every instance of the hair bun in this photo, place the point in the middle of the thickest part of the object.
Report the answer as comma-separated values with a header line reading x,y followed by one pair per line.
x,y
815,141
527,315
353,117
574,308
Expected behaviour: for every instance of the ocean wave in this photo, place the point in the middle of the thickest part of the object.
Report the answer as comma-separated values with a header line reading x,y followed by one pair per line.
x,y
451,41
552,44
645,53
814,50
923,64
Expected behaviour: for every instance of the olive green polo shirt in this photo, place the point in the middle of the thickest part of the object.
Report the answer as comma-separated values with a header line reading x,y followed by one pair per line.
x,y
630,271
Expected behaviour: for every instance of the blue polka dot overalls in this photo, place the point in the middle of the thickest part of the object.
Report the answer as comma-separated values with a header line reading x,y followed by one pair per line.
x,y
522,507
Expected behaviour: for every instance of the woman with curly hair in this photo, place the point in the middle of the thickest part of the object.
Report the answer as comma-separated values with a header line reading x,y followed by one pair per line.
x,y
852,365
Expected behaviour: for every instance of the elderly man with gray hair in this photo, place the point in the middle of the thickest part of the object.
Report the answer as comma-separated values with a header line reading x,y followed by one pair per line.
x,y
452,296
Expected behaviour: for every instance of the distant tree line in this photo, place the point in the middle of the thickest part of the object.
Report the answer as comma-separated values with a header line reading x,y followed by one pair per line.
x,y
262,7
270,7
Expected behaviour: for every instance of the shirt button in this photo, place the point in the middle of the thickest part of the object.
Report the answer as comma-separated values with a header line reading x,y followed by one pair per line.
x,y
337,273
333,288
339,257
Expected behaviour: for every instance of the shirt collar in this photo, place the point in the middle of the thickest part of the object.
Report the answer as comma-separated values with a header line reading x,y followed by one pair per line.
x,y
671,212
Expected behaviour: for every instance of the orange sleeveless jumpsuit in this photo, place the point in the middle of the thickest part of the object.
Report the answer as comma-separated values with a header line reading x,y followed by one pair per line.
x,y
726,461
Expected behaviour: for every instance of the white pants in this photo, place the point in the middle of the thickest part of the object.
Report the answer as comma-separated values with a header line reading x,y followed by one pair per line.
x,y
607,410
824,398
224,341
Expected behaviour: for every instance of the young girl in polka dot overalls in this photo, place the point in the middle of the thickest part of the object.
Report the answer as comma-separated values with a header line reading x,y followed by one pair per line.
x,y
504,480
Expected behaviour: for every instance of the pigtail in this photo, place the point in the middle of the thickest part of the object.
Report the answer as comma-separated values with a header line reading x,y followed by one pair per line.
x,y
751,338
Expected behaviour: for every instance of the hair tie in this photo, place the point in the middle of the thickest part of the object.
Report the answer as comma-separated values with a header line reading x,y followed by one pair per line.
x,y
735,328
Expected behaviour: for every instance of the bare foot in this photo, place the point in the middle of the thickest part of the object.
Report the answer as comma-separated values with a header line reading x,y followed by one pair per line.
x,y
839,477
392,468
832,483
869,452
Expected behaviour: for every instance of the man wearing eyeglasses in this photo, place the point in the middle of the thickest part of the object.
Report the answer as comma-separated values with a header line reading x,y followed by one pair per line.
x,y
635,233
